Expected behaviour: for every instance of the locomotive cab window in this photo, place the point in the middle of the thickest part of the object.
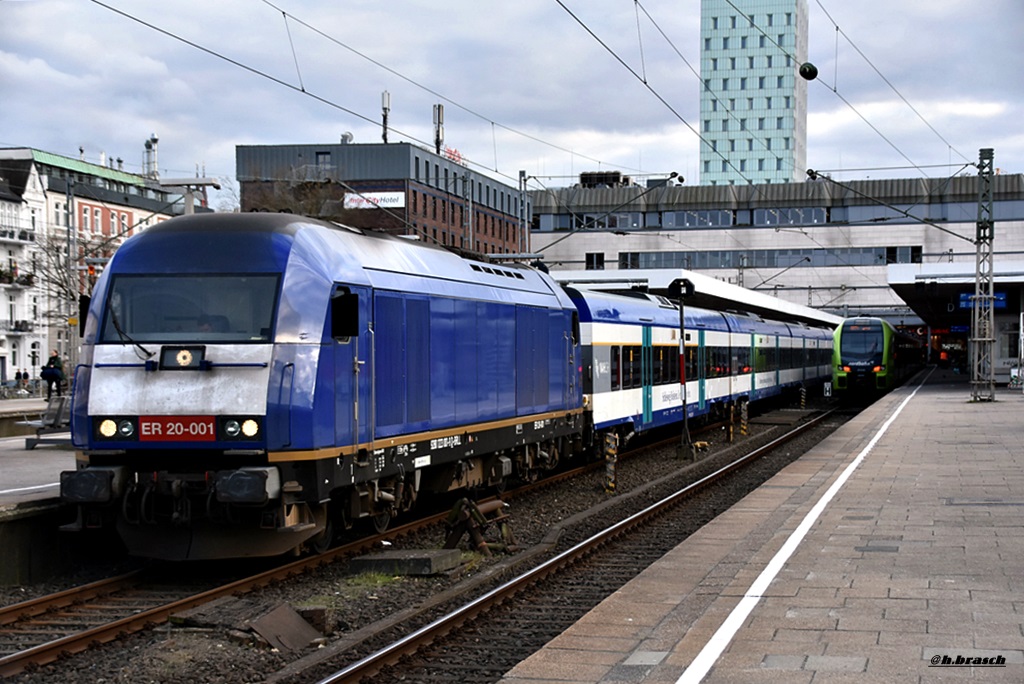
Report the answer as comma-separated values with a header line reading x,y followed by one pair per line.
x,y
862,342
189,308
344,315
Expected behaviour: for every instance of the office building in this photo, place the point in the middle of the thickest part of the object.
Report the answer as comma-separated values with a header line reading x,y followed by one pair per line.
x,y
753,102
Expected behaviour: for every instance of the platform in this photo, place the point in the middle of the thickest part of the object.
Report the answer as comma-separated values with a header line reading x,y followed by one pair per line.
x,y
891,552
29,476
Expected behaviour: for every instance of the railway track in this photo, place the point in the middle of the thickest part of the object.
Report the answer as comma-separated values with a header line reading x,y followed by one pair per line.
x,y
41,631
540,603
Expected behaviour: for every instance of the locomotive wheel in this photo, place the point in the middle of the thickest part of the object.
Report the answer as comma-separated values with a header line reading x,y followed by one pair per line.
x,y
322,542
381,522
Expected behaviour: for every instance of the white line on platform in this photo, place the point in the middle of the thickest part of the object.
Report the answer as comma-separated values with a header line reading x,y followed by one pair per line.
x,y
28,489
709,655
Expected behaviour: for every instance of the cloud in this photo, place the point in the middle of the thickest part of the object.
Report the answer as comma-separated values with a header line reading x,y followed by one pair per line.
x,y
525,85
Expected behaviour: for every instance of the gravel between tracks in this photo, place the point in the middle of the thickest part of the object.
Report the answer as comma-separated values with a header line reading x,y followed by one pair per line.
x,y
218,648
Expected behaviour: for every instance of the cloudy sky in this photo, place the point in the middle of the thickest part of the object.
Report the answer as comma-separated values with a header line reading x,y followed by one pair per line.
x,y
552,87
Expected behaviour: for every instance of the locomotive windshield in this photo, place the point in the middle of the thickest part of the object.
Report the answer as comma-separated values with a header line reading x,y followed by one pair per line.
x,y
190,308
862,343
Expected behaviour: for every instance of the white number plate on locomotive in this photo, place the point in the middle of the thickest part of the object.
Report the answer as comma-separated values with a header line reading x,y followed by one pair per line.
x,y
177,429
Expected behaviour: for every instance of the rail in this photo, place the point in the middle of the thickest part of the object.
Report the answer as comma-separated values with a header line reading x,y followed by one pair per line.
x,y
413,642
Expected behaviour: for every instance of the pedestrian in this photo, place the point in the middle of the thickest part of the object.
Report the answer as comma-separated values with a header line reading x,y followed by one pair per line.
x,y
53,374
17,378
24,377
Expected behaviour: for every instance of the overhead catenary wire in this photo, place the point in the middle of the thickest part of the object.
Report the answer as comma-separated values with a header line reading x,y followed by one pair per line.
x,y
301,89
324,100
295,56
729,112
835,91
654,91
494,124
814,175
871,64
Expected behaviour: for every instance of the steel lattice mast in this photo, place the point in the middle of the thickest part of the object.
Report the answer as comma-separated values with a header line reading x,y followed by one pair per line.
x,y
983,303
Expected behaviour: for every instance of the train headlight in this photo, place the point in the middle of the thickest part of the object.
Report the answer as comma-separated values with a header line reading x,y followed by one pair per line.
x,y
878,369
239,428
119,428
108,428
250,428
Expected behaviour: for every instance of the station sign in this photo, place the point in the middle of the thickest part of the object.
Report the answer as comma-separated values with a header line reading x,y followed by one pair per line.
x,y
967,299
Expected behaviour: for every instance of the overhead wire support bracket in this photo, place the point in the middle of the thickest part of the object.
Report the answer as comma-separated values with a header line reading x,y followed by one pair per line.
x,y
814,175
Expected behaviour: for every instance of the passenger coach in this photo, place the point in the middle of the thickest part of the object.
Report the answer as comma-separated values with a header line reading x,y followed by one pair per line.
x,y
630,353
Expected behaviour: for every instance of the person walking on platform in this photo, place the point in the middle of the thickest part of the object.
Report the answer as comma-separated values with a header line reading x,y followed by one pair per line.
x,y
53,374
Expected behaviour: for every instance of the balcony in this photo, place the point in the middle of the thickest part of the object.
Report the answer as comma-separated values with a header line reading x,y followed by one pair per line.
x,y
14,235
17,327
22,280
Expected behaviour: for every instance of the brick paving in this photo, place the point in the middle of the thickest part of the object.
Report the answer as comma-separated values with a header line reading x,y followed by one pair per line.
x,y
918,557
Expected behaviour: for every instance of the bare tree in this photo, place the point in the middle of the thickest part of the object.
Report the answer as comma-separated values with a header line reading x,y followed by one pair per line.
x,y
229,198
64,279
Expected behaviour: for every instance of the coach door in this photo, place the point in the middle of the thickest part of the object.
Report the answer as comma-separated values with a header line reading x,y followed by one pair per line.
x,y
777,365
702,369
647,375
352,347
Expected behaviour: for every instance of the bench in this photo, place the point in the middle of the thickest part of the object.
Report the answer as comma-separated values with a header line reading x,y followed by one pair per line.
x,y
56,419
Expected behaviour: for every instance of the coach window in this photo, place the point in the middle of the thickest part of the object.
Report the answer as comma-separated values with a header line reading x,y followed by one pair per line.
x,y
742,360
616,367
691,363
629,370
636,379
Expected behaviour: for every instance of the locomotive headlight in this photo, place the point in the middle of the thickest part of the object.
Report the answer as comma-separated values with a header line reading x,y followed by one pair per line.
x,y
108,428
125,428
240,427
115,428
232,428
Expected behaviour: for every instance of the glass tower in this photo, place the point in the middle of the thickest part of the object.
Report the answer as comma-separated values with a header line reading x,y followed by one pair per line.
x,y
753,102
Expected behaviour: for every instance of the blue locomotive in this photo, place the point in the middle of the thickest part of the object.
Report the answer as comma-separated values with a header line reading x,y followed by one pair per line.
x,y
251,383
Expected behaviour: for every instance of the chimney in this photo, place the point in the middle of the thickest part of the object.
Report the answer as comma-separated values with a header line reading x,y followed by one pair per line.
x,y
150,167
